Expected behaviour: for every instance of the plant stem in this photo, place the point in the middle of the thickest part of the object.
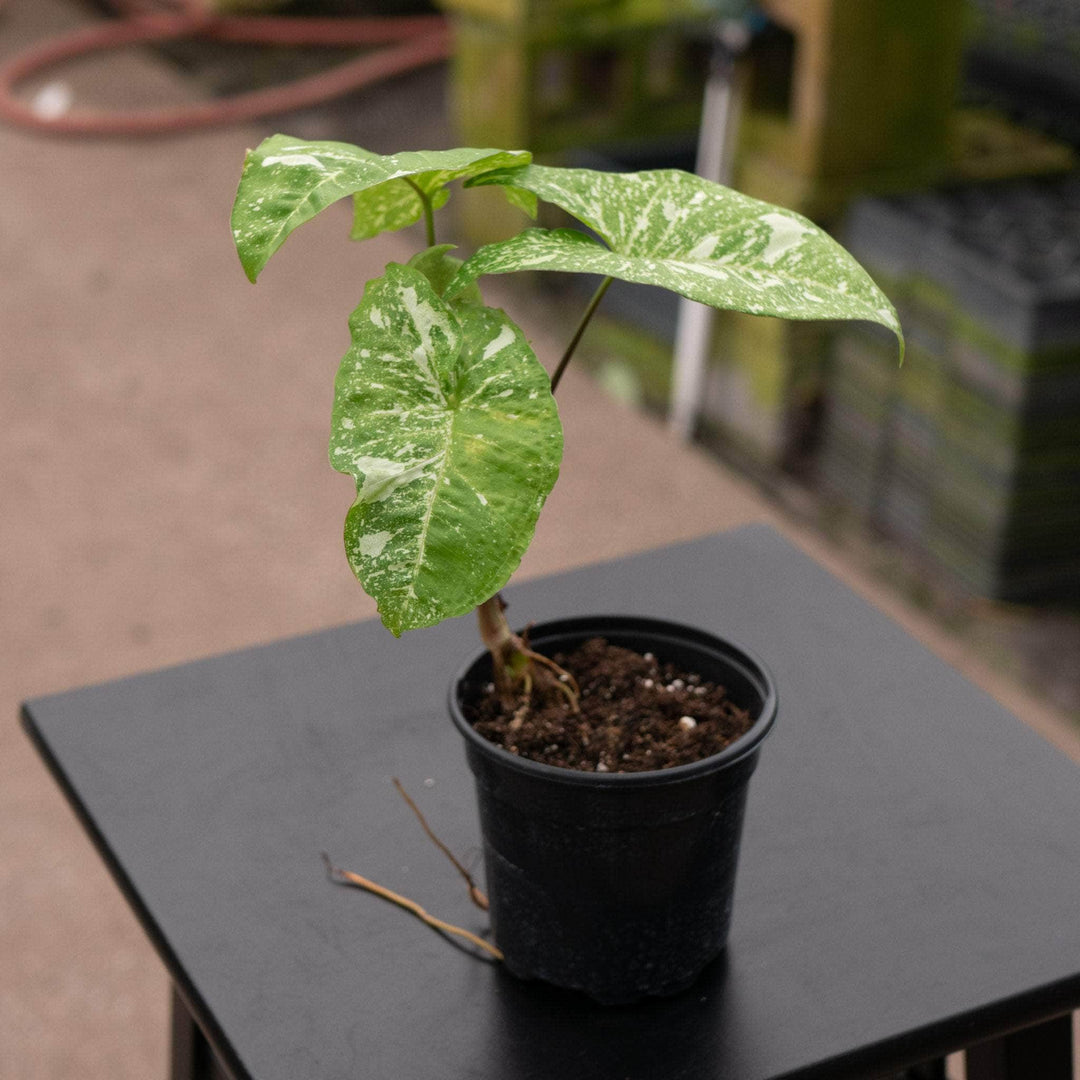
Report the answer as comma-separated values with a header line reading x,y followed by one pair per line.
x,y
586,318
511,658
503,644
518,670
429,213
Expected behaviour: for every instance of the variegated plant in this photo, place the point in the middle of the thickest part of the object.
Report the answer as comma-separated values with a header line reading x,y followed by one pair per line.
x,y
442,412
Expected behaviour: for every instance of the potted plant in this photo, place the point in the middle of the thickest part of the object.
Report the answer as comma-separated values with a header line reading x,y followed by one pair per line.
x,y
610,836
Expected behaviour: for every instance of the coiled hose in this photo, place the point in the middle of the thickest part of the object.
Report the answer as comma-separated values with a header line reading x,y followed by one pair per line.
x,y
410,42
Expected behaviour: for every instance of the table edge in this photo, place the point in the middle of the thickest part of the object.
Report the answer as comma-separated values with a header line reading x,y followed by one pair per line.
x,y
194,1002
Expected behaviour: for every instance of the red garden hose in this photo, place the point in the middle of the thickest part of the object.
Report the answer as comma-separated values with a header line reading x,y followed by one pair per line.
x,y
411,42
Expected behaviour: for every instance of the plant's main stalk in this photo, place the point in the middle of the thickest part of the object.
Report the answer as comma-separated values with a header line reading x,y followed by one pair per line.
x,y
517,670
507,648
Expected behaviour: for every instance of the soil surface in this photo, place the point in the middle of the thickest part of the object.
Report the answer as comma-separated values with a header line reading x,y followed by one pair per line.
x,y
636,714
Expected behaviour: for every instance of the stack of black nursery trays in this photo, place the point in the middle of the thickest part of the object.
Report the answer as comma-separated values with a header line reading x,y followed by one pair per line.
x,y
969,454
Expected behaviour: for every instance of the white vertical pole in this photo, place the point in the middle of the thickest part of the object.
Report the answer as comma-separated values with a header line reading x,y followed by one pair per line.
x,y
716,140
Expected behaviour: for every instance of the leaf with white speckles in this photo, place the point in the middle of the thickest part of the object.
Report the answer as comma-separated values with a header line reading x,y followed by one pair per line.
x,y
445,418
697,238
287,181
440,268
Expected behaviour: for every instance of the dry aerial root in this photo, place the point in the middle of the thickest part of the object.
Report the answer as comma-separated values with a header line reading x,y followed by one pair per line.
x,y
347,877
520,673
542,677
475,894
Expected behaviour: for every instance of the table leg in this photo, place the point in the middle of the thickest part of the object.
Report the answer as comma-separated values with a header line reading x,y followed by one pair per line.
x,y
1043,1051
191,1057
928,1070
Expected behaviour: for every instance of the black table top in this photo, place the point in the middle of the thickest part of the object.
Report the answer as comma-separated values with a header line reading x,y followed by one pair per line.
x,y
910,878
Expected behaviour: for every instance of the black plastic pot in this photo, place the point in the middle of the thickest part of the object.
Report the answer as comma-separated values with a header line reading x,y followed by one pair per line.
x,y
617,884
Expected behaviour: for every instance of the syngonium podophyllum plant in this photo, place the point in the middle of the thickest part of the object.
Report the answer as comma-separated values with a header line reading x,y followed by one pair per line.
x,y
442,412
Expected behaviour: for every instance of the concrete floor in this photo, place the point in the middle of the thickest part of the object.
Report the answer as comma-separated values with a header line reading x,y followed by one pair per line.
x,y
165,496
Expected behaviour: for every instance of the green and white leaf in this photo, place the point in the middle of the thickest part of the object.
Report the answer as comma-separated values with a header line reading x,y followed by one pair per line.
x,y
440,268
287,181
399,203
695,237
445,418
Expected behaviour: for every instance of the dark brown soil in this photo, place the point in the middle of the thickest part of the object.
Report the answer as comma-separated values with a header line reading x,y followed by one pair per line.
x,y
636,715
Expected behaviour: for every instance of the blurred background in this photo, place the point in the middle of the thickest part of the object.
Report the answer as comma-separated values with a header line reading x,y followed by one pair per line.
x,y
165,493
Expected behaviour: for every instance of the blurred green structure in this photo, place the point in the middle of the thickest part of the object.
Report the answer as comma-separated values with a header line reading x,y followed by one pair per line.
x,y
843,99
847,97
555,75
970,453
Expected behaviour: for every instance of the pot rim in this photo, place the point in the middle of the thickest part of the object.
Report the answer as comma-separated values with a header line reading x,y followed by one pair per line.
x,y
740,657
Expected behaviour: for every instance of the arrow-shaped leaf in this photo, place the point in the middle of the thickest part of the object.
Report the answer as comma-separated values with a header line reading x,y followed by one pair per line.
x,y
287,181
692,236
445,417
440,268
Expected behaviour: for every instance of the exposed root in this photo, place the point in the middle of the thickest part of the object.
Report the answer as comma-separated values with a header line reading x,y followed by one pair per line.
x,y
347,877
475,894
521,714
564,681
520,673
